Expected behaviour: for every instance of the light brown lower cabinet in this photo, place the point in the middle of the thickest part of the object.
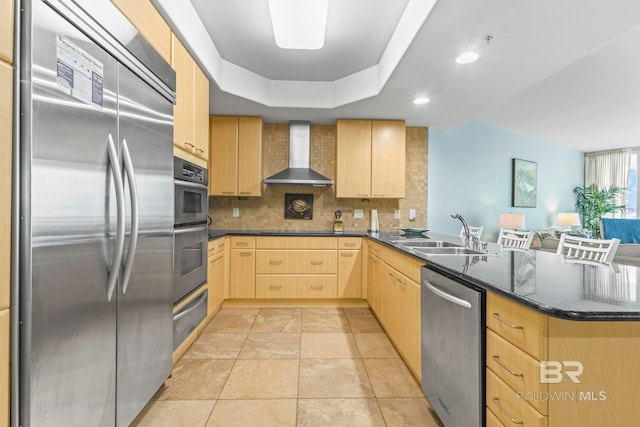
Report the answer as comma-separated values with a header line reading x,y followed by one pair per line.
x,y
374,284
242,273
5,346
215,278
349,274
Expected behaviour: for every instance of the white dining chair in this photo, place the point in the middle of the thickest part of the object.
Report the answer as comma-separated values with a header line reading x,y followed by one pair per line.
x,y
474,231
515,239
596,250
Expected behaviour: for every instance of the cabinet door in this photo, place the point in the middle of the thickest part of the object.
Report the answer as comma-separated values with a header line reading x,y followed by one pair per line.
x,y
6,117
183,64
201,113
349,274
223,169
391,309
5,346
215,277
388,156
242,274
149,23
353,163
6,32
249,156
409,305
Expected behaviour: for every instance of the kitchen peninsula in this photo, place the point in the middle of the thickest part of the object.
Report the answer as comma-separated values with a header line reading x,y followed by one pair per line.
x,y
550,312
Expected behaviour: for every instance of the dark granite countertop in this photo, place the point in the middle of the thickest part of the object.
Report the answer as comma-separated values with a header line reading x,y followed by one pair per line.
x,y
541,280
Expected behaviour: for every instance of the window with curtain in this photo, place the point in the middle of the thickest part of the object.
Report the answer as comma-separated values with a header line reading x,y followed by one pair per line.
x,y
632,187
606,168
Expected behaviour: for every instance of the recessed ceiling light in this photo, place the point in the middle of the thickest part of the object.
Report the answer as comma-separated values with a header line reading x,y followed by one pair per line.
x,y
421,100
467,58
299,24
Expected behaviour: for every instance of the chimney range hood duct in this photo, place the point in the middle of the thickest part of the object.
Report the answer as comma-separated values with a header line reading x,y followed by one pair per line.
x,y
298,172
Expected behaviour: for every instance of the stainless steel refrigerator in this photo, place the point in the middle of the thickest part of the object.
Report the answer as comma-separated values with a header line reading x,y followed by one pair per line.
x,y
96,217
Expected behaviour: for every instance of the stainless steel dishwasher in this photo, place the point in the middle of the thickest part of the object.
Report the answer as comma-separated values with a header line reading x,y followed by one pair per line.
x,y
453,349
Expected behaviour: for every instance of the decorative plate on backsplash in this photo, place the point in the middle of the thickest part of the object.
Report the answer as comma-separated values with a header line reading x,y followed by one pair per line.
x,y
298,206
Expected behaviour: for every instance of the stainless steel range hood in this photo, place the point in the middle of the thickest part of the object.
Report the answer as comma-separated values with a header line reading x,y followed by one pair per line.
x,y
298,172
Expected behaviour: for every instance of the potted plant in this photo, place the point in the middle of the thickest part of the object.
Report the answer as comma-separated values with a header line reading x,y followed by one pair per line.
x,y
594,202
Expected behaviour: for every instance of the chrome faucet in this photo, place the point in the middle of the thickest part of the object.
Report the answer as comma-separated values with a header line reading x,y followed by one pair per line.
x,y
470,241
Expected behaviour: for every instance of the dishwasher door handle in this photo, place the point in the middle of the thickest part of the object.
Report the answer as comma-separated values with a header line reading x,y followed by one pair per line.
x,y
442,294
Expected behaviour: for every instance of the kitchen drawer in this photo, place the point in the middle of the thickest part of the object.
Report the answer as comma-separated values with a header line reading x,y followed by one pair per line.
x,y
516,368
509,407
296,286
243,242
492,420
407,265
296,262
375,248
299,242
526,328
216,246
349,242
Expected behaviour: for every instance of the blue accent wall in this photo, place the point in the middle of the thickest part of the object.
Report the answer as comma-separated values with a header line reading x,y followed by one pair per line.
x,y
469,172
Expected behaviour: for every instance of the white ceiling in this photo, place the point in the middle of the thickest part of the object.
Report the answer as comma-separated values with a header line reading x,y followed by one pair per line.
x,y
565,71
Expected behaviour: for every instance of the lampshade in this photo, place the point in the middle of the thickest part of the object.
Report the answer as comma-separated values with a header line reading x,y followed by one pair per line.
x,y
568,219
511,220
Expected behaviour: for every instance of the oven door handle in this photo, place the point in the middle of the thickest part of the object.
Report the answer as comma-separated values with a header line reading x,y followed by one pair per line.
x,y
135,217
116,263
442,294
181,183
184,230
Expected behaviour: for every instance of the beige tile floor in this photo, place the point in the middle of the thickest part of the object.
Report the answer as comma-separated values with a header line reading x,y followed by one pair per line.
x,y
290,367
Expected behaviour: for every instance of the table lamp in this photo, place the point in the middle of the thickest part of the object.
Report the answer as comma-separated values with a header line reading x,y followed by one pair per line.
x,y
512,221
568,219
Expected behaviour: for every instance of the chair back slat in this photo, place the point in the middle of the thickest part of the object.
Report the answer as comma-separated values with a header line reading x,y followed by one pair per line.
x,y
514,239
598,250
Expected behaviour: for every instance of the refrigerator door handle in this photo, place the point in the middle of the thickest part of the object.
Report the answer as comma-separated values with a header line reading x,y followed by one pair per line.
x,y
133,240
119,246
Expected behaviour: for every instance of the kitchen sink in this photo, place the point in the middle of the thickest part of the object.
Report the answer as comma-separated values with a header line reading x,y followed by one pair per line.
x,y
446,251
426,244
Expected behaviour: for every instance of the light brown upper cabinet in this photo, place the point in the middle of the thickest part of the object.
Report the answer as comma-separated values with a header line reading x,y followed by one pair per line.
x,y
191,112
235,167
144,16
371,157
6,31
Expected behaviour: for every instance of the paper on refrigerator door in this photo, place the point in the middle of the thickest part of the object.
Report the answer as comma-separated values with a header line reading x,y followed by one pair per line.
x,y
78,73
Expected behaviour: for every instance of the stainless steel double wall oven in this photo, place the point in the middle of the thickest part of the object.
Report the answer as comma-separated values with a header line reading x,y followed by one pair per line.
x,y
190,227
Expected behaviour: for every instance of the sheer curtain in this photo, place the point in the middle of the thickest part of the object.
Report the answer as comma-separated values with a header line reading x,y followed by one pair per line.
x,y
606,168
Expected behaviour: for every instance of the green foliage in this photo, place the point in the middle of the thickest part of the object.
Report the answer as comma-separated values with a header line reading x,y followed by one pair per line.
x,y
594,202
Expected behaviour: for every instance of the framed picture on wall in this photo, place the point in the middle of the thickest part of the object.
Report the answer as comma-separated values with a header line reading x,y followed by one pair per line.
x,y
525,183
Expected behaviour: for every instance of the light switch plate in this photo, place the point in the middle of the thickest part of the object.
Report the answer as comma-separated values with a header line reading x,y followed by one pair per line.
x,y
236,212
396,214
412,214
358,213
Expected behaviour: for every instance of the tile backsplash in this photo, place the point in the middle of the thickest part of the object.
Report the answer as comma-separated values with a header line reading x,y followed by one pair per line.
x,y
267,212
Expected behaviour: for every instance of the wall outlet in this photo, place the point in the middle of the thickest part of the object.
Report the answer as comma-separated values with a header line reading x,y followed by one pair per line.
x,y
358,213
412,214
396,214
236,212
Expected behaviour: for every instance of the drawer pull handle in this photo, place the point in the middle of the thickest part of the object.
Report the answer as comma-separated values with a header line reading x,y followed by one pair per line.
x,y
228,192
275,262
509,324
275,287
221,246
188,144
349,244
245,192
317,287
504,411
246,253
200,150
317,262
346,255
242,243
378,194
496,358
362,195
